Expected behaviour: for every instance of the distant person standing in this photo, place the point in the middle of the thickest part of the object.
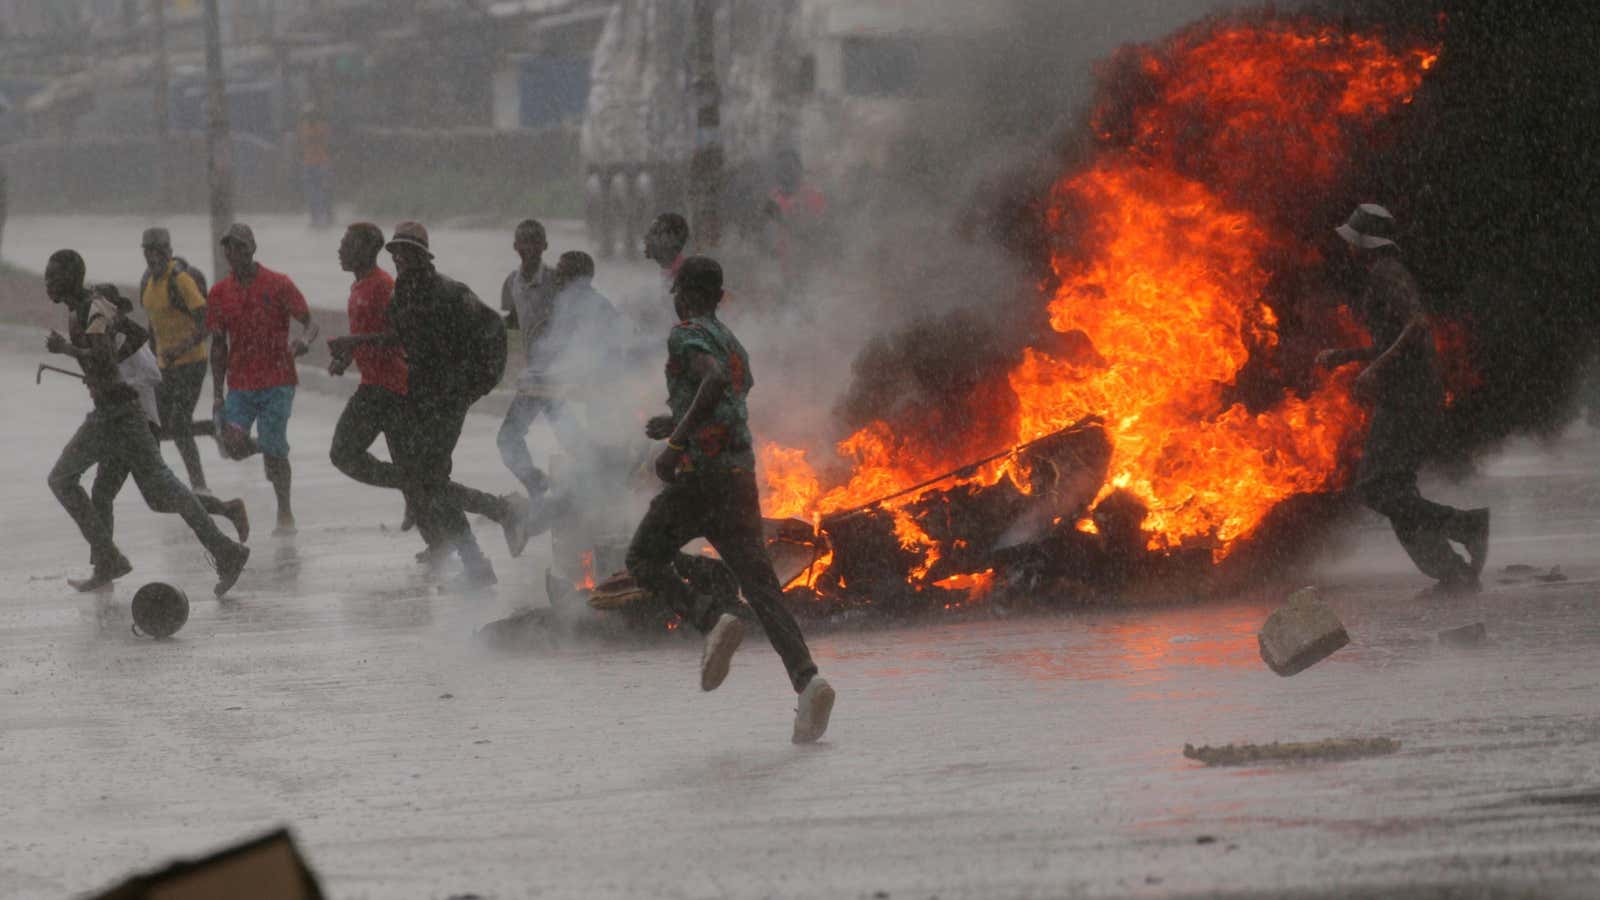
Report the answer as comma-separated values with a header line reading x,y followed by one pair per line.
x,y
316,164
252,355
116,433
174,302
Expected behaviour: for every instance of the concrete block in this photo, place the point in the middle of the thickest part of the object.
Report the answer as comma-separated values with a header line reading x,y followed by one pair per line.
x,y
1300,634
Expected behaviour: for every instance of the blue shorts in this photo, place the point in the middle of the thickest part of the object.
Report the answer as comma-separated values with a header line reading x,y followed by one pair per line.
x,y
268,409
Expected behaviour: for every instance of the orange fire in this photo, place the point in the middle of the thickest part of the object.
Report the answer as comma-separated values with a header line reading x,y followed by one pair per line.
x,y
586,582
1168,248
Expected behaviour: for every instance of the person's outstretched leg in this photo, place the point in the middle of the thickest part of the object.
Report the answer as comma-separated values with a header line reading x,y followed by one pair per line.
x,y
436,429
1420,525
371,412
736,533
87,447
136,448
513,443
177,396
272,433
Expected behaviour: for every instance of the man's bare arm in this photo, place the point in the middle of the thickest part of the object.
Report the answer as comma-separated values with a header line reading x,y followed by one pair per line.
x,y
219,366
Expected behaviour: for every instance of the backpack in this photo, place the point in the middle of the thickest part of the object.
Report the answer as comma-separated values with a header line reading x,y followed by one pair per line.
x,y
180,267
489,365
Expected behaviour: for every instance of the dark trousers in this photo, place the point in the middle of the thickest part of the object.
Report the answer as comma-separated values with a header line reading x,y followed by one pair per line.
x,y
513,437
109,477
118,438
725,509
176,398
1396,443
374,411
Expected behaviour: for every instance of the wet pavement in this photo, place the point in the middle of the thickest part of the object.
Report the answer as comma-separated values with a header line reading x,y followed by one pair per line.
x,y
339,692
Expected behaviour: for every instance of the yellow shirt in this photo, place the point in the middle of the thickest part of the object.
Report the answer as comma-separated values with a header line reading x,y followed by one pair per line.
x,y
170,326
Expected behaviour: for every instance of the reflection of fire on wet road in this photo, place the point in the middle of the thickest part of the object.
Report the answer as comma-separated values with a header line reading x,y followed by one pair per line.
x,y
1168,239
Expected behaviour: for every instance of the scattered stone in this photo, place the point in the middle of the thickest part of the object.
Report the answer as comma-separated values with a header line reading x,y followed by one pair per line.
x,y
1465,636
1313,751
1206,839
1300,634
1551,576
447,696
1518,569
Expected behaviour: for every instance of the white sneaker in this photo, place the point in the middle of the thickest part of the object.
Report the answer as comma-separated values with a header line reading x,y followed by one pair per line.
x,y
811,716
723,640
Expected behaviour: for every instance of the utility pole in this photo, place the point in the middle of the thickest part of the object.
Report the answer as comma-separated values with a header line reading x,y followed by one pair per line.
x,y
219,149
158,20
705,168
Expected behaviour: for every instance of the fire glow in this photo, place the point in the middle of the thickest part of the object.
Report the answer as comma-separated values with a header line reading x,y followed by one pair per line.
x,y
1159,303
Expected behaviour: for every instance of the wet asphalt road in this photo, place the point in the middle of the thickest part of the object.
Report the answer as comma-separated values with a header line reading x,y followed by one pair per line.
x,y
338,692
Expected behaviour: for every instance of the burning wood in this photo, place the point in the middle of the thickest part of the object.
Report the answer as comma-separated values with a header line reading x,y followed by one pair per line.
x,y
1165,324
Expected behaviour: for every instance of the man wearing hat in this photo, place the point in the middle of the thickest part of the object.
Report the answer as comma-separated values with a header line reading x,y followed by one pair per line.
x,y
455,350
1401,380
380,404
708,468
175,304
251,353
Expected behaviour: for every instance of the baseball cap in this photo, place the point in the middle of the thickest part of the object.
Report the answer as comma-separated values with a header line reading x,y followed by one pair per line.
x,y
241,233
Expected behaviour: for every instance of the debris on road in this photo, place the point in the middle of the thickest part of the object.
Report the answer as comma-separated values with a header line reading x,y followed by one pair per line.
x,y
1517,573
1300,634
1313,751
1465,636
159,610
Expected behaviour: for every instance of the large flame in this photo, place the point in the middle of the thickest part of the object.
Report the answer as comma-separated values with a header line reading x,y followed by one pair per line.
x,y
1161,294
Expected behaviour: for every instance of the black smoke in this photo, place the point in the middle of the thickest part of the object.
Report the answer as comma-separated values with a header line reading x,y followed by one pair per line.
x,y
1495,177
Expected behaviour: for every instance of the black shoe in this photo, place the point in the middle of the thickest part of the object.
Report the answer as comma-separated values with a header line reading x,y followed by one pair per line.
x,y
1462,585
1477,539
230,564
434,556
102,576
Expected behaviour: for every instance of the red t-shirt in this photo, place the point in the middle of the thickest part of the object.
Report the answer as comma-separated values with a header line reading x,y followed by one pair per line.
x,y
255,320
384,367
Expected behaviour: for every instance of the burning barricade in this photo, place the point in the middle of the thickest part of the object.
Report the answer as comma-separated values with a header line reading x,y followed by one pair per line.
x,y
1162,418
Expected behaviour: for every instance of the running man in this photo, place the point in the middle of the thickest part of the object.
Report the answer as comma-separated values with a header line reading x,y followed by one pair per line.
x,y
116,433
1401,379
175,306
379,405
251,354
708,467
